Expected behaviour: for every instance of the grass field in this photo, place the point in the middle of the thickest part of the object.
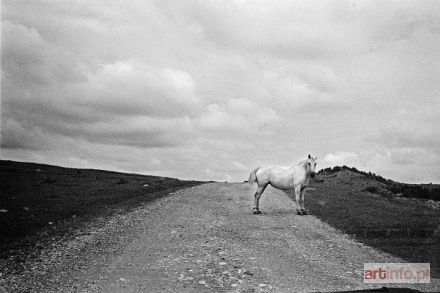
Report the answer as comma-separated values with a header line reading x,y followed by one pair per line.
x,y
401,226
39,202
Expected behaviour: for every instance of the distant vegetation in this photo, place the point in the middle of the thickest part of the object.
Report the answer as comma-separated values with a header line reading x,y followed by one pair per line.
x,y
422,191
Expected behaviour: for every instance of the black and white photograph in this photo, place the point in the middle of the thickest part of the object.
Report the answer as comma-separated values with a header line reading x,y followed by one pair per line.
x,y
220,146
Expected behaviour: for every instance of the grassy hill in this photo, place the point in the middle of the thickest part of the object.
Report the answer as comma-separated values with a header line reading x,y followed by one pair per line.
x,y
39,202
390,187
365,206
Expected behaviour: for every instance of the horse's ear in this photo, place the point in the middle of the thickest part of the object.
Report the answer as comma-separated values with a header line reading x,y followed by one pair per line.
x,y
316,158
310,156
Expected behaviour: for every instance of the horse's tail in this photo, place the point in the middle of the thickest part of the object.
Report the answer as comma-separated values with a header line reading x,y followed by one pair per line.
x,y
253,176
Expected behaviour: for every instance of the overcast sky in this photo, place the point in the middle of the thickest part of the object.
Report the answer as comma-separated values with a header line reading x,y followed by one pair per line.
x,y
211,89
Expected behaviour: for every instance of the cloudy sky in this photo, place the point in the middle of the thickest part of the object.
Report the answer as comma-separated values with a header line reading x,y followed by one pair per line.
x,y
212,89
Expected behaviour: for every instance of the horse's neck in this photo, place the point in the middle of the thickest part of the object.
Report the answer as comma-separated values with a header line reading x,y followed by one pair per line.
x,y
303,167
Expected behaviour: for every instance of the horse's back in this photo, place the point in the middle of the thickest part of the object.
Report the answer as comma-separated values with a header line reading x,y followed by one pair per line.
x,y
278,177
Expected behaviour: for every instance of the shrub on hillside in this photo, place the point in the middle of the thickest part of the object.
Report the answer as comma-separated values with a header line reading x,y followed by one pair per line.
x,y
122,181
372,189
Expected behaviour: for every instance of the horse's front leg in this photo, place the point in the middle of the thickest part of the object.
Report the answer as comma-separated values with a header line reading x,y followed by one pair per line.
x,y
301,202
297,200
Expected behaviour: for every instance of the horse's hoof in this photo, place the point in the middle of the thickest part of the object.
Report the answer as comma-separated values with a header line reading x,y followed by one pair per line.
x,y
299,213
259,212
256,212
305,212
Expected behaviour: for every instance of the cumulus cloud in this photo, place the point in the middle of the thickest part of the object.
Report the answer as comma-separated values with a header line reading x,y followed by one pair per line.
x,y
48,92
294,31
15,136
123,88
29,60
342,158
238,116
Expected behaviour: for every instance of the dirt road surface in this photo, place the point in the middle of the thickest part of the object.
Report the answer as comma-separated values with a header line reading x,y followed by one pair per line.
x,y
206,239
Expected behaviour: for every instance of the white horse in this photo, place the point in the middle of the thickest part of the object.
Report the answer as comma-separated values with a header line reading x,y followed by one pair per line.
x,y
292,181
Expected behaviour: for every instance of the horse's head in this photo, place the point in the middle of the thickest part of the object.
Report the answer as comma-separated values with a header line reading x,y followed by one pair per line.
x,y
311,165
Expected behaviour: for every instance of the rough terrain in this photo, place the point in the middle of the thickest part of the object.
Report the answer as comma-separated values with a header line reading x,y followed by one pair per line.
x,y
205,238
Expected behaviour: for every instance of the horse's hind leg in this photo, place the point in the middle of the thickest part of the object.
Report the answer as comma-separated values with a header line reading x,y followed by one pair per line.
x,y
257,196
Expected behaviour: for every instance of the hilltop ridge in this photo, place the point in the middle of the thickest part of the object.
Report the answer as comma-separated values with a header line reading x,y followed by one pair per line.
x,y
377,184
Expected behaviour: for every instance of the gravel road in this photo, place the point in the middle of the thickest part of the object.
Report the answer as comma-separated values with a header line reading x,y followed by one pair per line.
x,y
205,239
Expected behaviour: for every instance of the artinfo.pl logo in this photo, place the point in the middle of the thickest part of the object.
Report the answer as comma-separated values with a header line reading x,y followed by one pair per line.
x,y
397,273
